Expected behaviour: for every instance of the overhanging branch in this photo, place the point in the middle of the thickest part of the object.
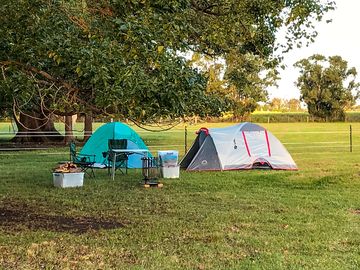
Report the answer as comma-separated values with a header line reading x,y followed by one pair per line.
x,y
72,89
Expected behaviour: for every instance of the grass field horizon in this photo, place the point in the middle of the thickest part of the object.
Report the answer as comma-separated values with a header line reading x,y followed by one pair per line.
x,y
306,219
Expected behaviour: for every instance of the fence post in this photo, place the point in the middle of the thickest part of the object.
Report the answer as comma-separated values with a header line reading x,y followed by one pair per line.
x,y
185,135
351,146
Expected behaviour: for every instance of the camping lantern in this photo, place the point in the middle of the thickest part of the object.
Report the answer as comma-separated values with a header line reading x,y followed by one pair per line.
x,y
150,171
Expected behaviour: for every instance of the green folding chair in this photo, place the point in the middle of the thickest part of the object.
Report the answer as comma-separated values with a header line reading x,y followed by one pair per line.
x,y
121,161
85,162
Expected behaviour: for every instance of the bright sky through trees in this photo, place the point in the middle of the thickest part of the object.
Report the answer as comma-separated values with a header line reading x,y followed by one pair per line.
x,y
340,37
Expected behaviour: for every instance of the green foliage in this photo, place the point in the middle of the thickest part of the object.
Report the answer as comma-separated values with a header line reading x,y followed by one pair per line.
x,y
327,86
122,57
281,105
246,86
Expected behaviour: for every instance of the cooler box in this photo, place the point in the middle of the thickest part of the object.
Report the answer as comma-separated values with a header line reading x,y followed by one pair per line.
x,y
168,158
68,179
170,172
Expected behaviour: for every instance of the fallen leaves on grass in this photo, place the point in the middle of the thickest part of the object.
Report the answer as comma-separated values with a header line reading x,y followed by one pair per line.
x,y
355,211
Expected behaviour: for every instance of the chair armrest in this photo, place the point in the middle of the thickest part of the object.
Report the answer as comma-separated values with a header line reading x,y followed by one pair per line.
x,y
86,155
88,158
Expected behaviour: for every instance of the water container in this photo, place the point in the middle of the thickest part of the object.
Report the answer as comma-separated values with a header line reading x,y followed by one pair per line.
x,y
168,158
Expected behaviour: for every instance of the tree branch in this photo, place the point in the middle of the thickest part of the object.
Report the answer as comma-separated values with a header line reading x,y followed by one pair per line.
x,y
207,9
42,73
72,90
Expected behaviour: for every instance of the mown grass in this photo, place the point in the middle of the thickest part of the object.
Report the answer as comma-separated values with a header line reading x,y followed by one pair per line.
x,y
306,219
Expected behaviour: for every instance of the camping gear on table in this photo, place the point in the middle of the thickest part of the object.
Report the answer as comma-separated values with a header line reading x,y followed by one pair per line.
x,y
98,143
242,146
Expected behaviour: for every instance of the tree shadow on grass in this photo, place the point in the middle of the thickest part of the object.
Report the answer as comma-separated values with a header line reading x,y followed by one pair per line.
x,y
19,216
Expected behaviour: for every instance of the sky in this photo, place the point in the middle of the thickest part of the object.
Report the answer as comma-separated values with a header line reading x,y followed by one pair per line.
x,y
340,37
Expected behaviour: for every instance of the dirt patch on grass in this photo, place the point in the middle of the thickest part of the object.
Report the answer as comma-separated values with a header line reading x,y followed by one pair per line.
x,y
15,216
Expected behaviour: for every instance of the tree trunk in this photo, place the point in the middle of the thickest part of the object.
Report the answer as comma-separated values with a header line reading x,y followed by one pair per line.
x,y
69,135
87,127
34,127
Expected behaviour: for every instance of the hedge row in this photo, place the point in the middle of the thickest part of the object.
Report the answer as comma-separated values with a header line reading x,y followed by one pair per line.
x,y
295,117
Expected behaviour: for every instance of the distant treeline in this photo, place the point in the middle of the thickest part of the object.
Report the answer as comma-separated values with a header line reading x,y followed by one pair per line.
x,y
289,117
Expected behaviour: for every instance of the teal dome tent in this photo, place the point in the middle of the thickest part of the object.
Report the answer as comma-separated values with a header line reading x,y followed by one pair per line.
x,y
98,142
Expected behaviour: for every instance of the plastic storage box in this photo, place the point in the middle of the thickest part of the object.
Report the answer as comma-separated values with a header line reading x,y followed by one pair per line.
x,y
170,172
68,179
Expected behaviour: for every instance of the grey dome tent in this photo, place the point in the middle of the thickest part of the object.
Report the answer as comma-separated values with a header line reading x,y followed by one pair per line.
x,y
242,146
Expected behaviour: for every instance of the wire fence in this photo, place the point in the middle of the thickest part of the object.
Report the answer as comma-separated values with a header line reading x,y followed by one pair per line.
x,y
341,140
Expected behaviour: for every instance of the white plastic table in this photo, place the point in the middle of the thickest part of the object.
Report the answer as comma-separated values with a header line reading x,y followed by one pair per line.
x,y
127,152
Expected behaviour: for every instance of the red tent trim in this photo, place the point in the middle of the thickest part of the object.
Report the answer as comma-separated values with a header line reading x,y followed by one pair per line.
x,y
268,143
246,144
204,129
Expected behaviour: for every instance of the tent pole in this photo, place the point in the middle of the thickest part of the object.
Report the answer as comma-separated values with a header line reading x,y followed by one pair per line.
x,y
185,135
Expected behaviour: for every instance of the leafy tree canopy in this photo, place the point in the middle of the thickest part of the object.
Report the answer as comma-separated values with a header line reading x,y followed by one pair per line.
x,y
327,86
122,56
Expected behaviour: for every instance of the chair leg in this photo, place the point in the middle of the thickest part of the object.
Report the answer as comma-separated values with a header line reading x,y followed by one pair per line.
x,y
90,173
120,169
120,166
109,167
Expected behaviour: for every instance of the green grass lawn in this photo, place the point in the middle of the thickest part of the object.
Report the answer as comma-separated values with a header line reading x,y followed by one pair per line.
x,y
308,219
